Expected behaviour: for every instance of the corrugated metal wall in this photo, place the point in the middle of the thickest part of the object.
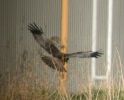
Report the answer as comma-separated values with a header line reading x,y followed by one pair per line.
x,y
16,41
8,17
118,38
80,35
46,14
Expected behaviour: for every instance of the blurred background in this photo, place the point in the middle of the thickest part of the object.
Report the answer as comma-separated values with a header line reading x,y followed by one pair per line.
x,y
20,61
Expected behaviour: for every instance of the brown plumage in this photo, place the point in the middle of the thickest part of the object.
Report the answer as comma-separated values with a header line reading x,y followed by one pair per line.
x,y
58,58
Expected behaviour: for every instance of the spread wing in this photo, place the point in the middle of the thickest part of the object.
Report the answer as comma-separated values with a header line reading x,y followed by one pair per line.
x,y
58,58
44,42
88,54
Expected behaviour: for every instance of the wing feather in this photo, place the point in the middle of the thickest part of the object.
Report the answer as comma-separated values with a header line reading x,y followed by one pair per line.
x,y
43,41
54,63
85,54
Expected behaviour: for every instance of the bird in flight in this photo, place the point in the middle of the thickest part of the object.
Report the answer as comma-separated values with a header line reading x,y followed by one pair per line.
x,y
57,58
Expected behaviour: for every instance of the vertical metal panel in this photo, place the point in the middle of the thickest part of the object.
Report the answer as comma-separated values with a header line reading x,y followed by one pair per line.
x,y
15,38
102,35
80,34
47,14
94,39
7,43
118,38
8,36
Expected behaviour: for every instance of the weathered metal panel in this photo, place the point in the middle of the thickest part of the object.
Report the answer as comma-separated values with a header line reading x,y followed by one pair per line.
x,y
118,38
7,36
102,20
16,40
80,35
47,14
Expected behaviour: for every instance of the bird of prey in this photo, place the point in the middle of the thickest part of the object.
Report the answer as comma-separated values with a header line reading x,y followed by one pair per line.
x,y
57,58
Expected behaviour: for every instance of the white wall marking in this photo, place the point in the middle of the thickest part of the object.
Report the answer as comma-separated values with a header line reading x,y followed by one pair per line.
x,y
109,40
94,37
